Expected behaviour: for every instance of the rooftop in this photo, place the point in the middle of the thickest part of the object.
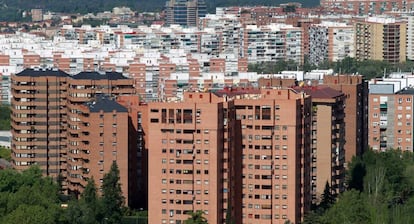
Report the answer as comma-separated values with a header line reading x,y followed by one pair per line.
x,y
234,91
43,72
99,76
105,104
319,92
406,91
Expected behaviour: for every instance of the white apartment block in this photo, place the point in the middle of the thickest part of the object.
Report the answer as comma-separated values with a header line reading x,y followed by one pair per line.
x,y
274,42
330,41
410,37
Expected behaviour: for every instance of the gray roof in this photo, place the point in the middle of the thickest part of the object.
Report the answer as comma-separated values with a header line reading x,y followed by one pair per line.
x,y
5,139
406,91
103,103
42,72
99,76
381,88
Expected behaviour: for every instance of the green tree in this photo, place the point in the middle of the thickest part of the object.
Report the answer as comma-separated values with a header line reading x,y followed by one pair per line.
x,y
29,214
112,198
327,197
5,153
355,174
27,197
196,218
86,210
5,117
350,208
313,217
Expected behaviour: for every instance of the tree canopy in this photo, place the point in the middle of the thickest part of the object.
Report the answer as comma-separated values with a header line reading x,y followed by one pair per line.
x,y
5,117
380,190
12,10
196,218
27,197
112,198
5,153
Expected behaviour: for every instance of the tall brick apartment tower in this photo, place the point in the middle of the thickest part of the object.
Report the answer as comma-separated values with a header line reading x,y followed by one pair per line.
x,y
51,125
276,146
356,111
83,88
39,121
189,149
102,137
328,139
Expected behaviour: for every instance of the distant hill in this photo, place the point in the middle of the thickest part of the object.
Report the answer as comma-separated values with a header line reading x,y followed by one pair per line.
x,y
11,10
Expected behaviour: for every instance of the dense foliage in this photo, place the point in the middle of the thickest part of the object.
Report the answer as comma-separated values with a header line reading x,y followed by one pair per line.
x,y
27,197
368,68
5,117
92,209
11,10
196,218
5,153
380,190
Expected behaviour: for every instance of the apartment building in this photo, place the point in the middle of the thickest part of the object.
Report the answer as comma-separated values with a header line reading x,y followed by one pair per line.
x,y
191,155
5,87
83,87
39,120
381,39
275,42
330,41
328,139
50,128
138,171
199,147
368,7
303,22
101,136
390,118
276,130
410,37
356,111
184,12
